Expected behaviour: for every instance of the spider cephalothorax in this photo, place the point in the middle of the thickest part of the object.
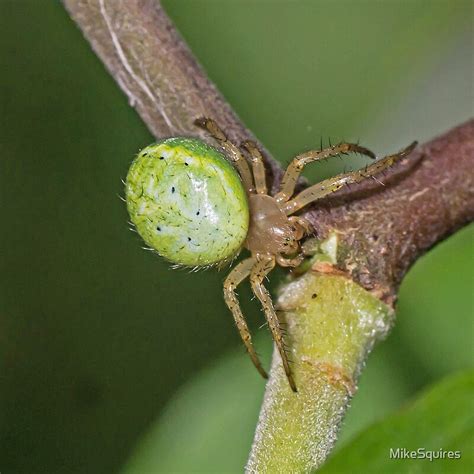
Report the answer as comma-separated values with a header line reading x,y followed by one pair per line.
x,y
191,206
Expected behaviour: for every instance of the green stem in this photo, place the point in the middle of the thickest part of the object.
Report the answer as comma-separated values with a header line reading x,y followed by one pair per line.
x,y
332,324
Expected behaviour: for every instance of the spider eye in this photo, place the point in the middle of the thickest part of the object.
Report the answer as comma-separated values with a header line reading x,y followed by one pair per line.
x,y
168,186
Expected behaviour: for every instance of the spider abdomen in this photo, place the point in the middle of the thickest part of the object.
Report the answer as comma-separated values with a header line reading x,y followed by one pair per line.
x,y
187,202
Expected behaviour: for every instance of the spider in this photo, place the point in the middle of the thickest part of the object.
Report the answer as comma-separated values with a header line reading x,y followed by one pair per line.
x,y
194,208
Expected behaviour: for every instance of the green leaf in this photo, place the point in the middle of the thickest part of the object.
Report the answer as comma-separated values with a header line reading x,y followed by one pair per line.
x,y
441,418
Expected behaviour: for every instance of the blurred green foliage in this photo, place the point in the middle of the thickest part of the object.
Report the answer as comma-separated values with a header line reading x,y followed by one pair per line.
x,y
96,335
440,421
209,424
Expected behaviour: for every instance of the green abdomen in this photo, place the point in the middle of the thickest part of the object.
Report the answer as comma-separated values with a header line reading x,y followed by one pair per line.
x,y
187,202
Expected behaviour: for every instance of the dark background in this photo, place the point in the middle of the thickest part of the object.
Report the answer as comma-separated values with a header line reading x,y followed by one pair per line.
x,y
99,339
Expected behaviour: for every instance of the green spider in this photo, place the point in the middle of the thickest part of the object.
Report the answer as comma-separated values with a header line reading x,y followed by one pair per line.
x,y
194,208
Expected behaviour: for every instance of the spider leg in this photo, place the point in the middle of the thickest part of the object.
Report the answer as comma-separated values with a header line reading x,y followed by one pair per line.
x,y
232,151
235,277
328,186
292,173
258,273
258,167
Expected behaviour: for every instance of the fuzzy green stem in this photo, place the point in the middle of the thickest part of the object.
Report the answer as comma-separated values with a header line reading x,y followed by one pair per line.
x,y
332,324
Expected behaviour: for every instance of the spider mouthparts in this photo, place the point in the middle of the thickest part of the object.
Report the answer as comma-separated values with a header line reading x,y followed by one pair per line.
x,y
201,122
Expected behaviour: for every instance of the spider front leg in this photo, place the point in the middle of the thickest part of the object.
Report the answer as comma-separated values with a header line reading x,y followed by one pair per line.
x,y
258,166
292,173
240,163
236,276
258,273
331,185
